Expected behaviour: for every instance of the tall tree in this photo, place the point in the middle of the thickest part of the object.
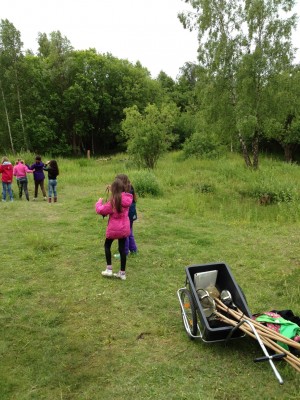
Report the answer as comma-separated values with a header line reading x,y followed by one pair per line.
x,y
242,43
56,53
283,120
7,118
149,134
10,60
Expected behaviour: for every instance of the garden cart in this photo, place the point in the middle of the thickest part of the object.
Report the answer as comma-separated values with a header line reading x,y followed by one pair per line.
x,y
214,309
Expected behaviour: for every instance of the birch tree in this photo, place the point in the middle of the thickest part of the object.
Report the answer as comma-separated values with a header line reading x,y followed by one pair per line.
x,y
10,60
7,118
242,44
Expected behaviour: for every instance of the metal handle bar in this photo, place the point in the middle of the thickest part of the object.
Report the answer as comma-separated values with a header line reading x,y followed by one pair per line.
x,y
273,357
267,355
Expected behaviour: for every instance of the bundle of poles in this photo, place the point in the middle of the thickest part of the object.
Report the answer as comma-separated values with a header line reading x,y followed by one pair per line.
x,y
269,337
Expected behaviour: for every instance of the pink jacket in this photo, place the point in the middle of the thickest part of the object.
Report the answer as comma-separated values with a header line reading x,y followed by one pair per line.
x,y
20,170
118,226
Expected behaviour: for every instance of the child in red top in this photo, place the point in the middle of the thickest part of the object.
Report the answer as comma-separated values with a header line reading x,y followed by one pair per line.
x,y
6,169
118,226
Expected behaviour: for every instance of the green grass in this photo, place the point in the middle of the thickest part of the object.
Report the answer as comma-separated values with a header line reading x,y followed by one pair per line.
x,y
68,333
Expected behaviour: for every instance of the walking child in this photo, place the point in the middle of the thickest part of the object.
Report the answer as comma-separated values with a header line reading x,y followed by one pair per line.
x,y
118,226
52,168
39,177
130,244
6,169
20,172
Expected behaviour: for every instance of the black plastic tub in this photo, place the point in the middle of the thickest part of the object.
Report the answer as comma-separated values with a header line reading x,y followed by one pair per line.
x,y
225,281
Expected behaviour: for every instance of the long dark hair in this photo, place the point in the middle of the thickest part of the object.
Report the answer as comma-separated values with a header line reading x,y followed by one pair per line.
x,y
117,187
127,185
126,182
53,165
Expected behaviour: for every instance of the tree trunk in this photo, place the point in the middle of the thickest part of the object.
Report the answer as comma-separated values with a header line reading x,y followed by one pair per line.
x,y
288,152
21,118
74,146
93,146
245,151
7,120
255,149
20,110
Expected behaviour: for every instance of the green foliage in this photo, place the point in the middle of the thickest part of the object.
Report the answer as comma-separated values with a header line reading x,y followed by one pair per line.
x,y
283,117
185,126
145,182
205,188
63,100
271,195
269,186
247,125
242,47
149,135
203,146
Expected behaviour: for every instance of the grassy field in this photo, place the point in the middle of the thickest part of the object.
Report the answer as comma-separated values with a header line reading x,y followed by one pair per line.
x,y
68,333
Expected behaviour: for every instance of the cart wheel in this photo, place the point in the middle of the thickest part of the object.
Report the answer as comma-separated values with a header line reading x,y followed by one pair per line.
x,y
190,323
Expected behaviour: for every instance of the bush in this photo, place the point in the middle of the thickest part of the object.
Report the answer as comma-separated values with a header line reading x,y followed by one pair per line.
x,y
149,135
202,145
267,195
205,188
144,183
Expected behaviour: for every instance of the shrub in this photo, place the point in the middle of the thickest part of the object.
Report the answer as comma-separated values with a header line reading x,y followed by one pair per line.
x,y
83,162
204,188
145,183
149,135
202,145
267,195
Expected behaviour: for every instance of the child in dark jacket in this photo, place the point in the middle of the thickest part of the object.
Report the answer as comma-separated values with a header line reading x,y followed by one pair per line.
x,y
52,168
6,169
130,244
39,177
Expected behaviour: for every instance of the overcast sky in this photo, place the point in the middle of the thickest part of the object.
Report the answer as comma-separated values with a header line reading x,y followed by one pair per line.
x,y
137,30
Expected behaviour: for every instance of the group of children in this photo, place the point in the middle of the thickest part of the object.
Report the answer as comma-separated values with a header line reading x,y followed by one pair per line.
x,y
121,210
20,171
121,207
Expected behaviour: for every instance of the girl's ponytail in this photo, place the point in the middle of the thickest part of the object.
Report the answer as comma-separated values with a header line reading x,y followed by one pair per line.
x,y
117,188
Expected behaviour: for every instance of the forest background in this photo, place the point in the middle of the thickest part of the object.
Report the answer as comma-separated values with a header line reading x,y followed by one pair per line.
x,y
242,95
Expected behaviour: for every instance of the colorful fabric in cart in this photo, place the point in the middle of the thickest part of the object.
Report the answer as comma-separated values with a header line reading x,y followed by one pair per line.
x,y
286,327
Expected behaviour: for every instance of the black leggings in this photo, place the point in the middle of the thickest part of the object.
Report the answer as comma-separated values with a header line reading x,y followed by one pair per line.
x,y
107,246
22,184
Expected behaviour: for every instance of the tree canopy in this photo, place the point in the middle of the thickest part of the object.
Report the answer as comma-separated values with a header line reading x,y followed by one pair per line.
x,y
242,45
242,92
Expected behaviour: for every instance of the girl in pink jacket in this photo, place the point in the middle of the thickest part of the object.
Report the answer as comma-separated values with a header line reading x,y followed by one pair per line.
x,y
20,172
118,226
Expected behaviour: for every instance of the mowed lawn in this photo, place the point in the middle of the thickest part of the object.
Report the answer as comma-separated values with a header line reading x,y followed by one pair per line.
x,y
68,333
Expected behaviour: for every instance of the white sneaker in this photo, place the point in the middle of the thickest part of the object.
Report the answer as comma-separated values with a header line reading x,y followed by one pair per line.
x,y
107,272
120,275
